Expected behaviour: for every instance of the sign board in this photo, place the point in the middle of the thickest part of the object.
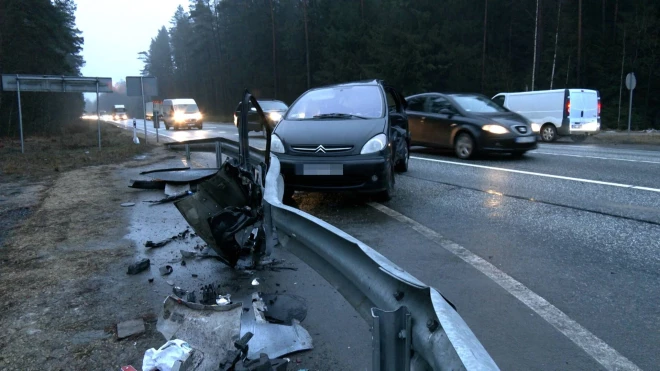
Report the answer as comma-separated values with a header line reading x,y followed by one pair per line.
x,y
134,86
56,84
631,81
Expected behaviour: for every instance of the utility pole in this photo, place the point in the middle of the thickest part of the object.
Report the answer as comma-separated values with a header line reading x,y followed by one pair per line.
x,y
272,17
579,51
536,31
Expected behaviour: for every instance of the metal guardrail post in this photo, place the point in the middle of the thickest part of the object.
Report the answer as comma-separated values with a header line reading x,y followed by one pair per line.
x,y
218,154
391,339
188,152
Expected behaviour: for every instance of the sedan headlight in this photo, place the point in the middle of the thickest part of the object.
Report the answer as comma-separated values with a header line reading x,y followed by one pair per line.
x,y
178,116
275,116
374,144
495,129
276,144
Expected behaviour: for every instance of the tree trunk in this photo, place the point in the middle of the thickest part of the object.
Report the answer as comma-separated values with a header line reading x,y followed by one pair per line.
x,y
483,52
536,31
272,18
309,78
568,69
554,58
623,59
579,51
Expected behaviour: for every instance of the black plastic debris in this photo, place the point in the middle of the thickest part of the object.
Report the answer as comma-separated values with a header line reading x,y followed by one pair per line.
x,y
263,364
165,270
138,267
153,245
191,297
183,263
284,308
162,170
208,295
178,291
170,198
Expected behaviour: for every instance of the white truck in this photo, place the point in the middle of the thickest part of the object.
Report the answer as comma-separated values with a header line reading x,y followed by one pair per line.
x,y
555,113
119,112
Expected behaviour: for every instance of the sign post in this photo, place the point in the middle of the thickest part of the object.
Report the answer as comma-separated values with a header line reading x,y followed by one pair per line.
x,y
631,83
156,123
142,86
55,84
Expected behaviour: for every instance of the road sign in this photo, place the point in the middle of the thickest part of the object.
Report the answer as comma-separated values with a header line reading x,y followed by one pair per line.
x,y
135,84
56,84
631,81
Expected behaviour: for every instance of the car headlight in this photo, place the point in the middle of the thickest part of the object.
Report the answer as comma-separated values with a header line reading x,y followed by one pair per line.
x,y
276,144
178,116
374,144
275,116
198,116
495,129
536,127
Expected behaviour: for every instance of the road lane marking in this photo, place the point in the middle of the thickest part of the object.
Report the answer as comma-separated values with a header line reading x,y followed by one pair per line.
x,y
597,157
620,185
607,356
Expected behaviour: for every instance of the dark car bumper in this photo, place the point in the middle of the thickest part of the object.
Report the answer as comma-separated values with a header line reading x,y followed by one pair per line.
x,y
186,124
507,144
359,173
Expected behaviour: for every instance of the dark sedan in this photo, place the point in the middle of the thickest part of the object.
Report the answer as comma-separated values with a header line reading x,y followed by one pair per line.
x,y
467,123
347,137
273,109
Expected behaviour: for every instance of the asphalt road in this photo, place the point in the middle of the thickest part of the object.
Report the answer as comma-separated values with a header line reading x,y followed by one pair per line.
x,y
553,260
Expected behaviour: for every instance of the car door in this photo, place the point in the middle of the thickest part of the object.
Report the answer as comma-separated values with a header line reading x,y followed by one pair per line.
x,y
398,123
440,121
416,118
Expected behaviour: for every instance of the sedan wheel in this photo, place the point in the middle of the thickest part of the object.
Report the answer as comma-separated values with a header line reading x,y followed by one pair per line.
x,y
548,133
402,164
386,195
464,146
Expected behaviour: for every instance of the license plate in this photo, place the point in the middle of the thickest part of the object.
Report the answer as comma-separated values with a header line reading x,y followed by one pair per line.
x,y
323,169
529,139
576,126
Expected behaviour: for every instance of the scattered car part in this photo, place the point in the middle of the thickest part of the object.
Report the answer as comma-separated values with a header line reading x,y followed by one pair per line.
x,y
153,245
170,198
165,270
238,354
163,170
128,204
138,267
284,308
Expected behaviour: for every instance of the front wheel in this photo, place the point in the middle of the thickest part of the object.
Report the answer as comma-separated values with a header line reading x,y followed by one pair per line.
x,y
548,133
402,164
386,195
464,146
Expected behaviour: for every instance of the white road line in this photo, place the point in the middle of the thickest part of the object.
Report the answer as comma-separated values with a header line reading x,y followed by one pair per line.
x,y
539,174
607,356
597,157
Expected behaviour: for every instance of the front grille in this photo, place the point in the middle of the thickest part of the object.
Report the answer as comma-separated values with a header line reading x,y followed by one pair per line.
x,y
322,149
522,129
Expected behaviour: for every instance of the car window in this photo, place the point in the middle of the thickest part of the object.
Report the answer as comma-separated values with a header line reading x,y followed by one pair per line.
x,y
477,103
358,100
437,104
392,103
499,100
272,105
416,104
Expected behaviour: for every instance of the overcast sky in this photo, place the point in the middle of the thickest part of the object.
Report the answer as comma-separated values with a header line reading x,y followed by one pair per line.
x,y
115,31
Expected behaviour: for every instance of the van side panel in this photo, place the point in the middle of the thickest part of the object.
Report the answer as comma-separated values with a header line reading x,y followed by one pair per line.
x,y
538,107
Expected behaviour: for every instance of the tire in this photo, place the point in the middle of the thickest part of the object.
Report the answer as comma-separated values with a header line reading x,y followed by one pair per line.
x,y
386,195
548,133
464,146
402,165
578,138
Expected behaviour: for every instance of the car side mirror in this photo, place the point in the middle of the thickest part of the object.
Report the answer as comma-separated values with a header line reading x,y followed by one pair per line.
x,y
447,111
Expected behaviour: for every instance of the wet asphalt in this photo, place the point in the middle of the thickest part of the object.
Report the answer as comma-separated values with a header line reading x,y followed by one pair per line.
x,y
577,224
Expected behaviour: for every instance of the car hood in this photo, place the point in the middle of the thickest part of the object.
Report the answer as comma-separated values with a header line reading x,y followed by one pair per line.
x,y
507,119
330,132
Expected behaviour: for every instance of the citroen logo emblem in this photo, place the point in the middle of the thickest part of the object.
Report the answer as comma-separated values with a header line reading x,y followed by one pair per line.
x,y
320,149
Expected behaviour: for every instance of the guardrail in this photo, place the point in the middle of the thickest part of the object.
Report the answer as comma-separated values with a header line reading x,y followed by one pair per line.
x,y
414,326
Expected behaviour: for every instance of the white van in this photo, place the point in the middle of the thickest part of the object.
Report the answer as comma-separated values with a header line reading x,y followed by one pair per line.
x,y
553,113
181,113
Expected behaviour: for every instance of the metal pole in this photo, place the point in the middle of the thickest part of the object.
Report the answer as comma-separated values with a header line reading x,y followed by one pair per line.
x,y
98,117
144,111
157,124
20,114
218,154
630,110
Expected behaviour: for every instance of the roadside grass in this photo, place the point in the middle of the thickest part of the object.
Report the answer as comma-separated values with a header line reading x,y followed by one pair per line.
x,y
622,137
74,147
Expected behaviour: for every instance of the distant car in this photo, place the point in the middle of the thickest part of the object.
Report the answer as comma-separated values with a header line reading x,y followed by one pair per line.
x,y
273,109
467,123
181,113
119,112
554,113
346,137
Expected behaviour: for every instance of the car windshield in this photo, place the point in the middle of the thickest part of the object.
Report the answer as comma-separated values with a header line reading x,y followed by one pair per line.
x,y
271,105
360,101
186,108
476,103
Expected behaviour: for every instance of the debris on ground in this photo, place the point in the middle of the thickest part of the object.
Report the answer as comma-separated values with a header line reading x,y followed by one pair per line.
x,y
130,328
209,329
170,198
167,356
138,267
170,282
284,308
209,294
153,245
161,170
165,270
172,189
223,299
127,204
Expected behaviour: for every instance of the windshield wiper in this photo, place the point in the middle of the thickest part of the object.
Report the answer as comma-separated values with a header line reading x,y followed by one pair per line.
x,y
338,116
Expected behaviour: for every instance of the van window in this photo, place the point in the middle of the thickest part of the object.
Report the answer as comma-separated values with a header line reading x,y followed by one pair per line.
x,y
186,108
499,100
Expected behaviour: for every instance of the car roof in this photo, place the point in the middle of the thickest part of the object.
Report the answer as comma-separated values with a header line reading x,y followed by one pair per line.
x,y
183,101
374,82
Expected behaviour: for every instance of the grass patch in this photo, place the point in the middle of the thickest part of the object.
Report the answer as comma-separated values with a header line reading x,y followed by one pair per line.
x,y
626,138
76,146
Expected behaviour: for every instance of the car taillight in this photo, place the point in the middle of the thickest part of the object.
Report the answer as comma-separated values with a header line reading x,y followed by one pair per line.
x,y
568,108
599,107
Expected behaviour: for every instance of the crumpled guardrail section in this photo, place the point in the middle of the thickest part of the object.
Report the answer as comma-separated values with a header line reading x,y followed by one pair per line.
x,y
440,337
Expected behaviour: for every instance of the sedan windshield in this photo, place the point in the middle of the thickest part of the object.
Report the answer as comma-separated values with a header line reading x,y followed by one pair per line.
x,y
186,108
476,103
272,105
359,101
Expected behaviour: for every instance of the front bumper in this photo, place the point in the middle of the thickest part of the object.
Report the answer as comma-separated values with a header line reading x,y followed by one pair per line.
x,y
362,173
507,144
191,123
